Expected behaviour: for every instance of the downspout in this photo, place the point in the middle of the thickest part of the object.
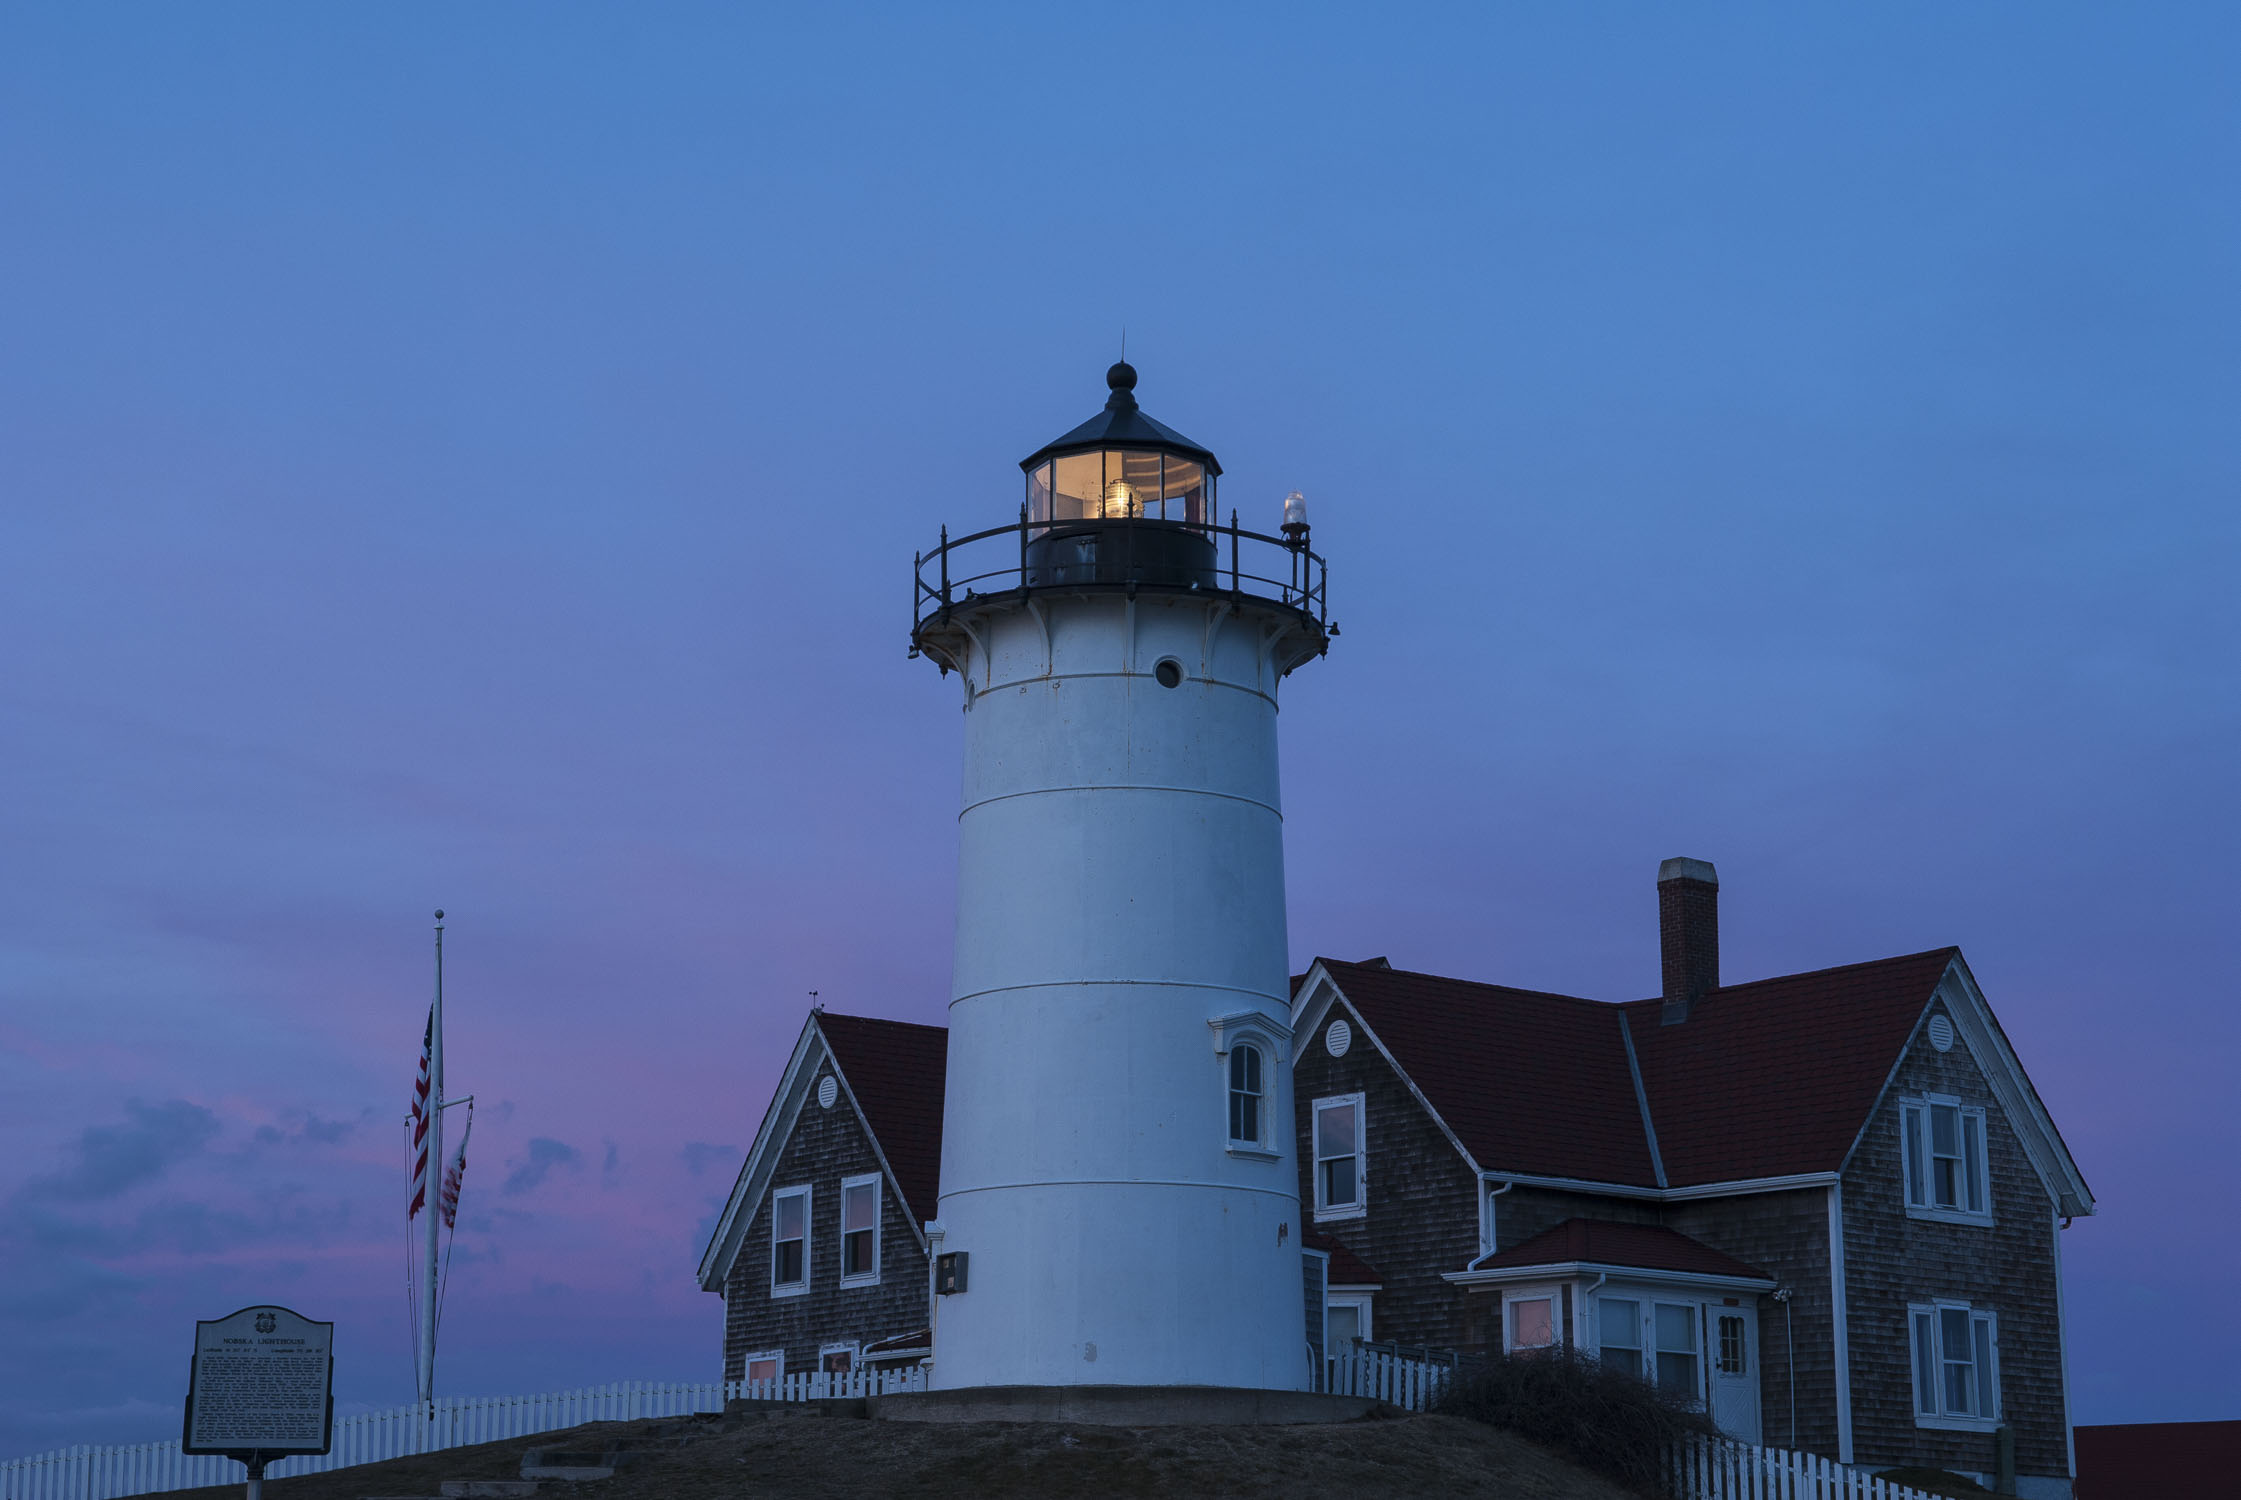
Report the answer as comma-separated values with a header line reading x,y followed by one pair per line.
x,y
1789,1342
1587,1300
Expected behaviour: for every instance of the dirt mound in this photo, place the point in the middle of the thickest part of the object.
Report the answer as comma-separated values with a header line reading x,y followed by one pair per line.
x,y
806,1457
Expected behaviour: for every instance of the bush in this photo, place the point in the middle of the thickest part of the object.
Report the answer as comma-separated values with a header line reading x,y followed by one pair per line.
x,y
1601,1418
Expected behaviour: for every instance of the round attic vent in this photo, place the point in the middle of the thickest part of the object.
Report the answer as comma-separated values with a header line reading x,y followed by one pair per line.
x,y
1941,1033
828,1089
1339,1037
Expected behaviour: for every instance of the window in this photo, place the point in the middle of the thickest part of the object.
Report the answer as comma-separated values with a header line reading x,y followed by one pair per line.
x,y
789,1242
1338,1158
836,1359
770,1365
1346,1317
859,1231
1943,1159
1619,1329
1956,1365
1530,1322
1734,1342
1245,1095
1676,1347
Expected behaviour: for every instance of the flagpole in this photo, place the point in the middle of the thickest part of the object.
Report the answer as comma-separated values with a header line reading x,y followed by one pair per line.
x,y
431,1208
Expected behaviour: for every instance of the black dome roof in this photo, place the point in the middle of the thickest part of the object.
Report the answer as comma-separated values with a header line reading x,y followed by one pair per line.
x,y
1122,424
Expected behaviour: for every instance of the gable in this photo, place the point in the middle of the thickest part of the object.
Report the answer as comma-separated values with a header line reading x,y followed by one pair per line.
x,y
889,1075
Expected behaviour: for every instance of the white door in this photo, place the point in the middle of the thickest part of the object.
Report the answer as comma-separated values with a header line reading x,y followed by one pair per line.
x,y
1732,1337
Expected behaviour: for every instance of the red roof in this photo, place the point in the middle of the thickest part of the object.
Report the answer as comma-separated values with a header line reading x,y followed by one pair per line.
x,y
1763,1079
1642,1247
1778,1076
896,1071
1346,1268
901,1343
2158,1459
1529,1082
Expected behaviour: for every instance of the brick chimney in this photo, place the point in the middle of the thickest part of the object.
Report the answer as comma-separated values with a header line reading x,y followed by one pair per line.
x,y
1688,933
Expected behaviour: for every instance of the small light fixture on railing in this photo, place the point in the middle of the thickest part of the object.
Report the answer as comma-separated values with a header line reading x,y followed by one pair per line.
x,y
1295,519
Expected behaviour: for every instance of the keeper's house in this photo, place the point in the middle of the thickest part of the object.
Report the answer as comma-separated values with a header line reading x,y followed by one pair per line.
x,y
1827,1205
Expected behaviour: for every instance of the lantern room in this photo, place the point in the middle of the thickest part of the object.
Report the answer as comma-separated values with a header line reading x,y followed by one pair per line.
x,y
1120,498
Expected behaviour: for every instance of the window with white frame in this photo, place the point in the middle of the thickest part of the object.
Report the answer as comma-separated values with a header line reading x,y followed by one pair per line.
x,y
1530,1320
1956,1365
1246,1094
1346,1317
1942,1147
789,1242
1339,1186
1675,1330
837,1359
859,1231
1619,1333
766,1367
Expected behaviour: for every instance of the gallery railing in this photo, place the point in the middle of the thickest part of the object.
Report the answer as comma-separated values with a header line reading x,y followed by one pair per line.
x,y
1126,553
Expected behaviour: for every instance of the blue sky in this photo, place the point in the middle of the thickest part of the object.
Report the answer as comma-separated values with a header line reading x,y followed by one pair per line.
x,y
469,458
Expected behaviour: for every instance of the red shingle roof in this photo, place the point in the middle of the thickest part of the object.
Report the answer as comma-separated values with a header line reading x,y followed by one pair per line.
x,y
1644,1247
2159,1459
1346,1268
1776,1077
1529,1082
1763,1079
896,1071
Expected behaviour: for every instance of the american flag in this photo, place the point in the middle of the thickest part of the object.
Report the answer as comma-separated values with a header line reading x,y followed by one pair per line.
x,y
456,1172
420,1122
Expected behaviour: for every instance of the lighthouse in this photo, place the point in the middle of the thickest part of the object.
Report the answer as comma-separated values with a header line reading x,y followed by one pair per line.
x,y
1119,1195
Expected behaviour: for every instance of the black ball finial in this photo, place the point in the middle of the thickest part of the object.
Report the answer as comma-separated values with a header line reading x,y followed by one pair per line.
x,y
1122,378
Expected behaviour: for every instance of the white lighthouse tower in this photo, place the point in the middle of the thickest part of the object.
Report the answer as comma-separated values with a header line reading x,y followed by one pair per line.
x,y
1119,1197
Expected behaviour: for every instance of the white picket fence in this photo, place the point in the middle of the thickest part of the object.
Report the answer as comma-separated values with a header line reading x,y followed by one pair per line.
x,y
105,1473
1383,1375
1711,1469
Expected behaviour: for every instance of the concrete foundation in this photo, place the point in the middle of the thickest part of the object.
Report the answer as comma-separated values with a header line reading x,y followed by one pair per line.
x,y
1125,1406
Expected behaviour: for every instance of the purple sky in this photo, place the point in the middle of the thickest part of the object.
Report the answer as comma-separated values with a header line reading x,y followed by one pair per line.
x,y
470,458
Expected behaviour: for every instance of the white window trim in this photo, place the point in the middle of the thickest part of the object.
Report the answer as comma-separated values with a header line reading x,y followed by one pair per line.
x,y
1550,1292
747,1362
1359,1208
862,1278
1942,1420
1253,1146
1360,1301
808,1204
1918,1106
854,1351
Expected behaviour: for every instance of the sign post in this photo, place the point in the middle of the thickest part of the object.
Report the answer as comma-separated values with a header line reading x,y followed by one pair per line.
x,y
261,1387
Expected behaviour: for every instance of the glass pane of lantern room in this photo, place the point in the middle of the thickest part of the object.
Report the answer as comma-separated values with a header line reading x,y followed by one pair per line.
x,y
1186,491
1038,493
1078,487
1132,485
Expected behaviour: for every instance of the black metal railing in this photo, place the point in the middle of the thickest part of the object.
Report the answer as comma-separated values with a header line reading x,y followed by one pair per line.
x,y
1169,556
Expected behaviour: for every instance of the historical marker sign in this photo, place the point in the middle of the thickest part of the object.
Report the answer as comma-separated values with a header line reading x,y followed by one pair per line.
x,y
263,1384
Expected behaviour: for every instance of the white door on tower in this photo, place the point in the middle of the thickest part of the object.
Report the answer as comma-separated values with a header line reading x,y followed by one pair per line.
x,y
1735,1371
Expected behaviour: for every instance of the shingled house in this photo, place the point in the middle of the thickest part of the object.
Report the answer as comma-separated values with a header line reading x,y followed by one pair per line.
x,y
1828,1205
820,1253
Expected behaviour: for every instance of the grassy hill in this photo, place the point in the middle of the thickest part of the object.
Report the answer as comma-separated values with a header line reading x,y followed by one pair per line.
x,y
804,1455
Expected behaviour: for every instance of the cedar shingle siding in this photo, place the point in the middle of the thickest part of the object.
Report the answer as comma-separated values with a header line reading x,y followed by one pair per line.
x,y
827,1145
1421,1221
1891,1260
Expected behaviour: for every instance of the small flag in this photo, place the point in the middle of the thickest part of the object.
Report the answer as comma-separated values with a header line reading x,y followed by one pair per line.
x,y
456,1172
420,1122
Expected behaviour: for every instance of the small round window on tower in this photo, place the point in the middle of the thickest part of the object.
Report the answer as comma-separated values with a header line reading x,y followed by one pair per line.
x,y
1169,672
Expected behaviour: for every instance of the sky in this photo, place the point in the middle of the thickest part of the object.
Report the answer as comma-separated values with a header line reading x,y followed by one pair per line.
x,y
468,457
